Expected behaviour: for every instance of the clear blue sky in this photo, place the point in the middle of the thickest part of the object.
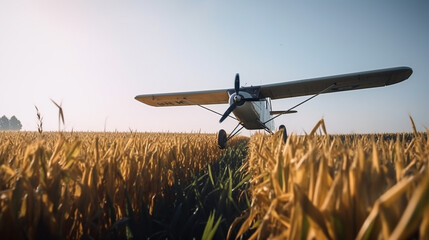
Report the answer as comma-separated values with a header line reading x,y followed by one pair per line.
x,y
96,56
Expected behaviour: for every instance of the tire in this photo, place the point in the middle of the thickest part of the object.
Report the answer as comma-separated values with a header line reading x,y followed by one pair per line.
x,y
284,133
221,139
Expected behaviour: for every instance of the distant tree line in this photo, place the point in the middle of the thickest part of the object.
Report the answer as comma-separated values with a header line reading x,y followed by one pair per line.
x,y
12,124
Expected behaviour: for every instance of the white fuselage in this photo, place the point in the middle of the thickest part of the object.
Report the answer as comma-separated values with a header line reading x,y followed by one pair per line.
x,y
253,114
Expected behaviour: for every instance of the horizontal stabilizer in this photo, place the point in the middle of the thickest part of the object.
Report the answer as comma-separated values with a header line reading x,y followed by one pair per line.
x,y
282,112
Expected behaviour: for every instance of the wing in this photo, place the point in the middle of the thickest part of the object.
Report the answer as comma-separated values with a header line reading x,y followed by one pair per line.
x,y
337,83
352,81
185,98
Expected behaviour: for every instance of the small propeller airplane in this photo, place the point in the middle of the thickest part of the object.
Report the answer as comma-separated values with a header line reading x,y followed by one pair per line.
x,y
252,105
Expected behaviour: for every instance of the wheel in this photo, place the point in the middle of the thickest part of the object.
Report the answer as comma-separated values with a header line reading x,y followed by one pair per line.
x,y
284,132
221,139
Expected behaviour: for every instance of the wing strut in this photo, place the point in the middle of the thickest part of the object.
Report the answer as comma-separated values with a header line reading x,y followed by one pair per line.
x,y
299,104
208,109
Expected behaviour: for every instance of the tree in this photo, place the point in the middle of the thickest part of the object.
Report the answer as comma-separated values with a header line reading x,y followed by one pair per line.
x,y
4,123
14,124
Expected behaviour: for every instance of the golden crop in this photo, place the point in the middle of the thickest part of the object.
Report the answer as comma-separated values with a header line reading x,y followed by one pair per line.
x,y
70,181
70,185
333,187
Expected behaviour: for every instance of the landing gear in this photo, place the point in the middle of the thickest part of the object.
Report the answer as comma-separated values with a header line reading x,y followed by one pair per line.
x,y
221,139
284,133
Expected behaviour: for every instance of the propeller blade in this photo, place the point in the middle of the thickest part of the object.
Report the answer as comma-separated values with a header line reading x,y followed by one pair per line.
x,y
228,111
237,83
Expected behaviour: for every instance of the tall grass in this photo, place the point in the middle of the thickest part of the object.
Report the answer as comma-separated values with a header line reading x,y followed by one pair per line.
x,y
151,185
71,185
332,187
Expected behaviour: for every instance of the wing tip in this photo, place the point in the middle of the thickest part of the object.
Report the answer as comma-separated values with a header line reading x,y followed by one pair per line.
x,y
400,74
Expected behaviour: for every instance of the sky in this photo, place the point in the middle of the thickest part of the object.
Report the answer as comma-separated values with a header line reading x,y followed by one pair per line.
x,y
94,57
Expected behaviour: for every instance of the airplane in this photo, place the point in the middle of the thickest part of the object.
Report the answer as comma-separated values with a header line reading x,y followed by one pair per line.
x,y
252,105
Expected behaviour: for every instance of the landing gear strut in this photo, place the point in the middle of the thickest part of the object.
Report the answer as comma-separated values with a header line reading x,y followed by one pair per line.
x,y
222,137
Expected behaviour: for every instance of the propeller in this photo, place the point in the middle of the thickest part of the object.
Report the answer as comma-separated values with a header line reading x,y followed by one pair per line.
x,y
238,99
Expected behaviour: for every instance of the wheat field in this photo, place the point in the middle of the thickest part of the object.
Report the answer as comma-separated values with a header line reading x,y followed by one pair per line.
x,y
81,184
338,187
181,186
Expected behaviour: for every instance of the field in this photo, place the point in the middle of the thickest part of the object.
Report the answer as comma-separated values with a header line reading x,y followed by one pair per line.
x,y
182,186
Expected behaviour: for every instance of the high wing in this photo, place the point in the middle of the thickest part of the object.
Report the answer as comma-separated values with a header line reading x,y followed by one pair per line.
x,y
345,82
185,98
